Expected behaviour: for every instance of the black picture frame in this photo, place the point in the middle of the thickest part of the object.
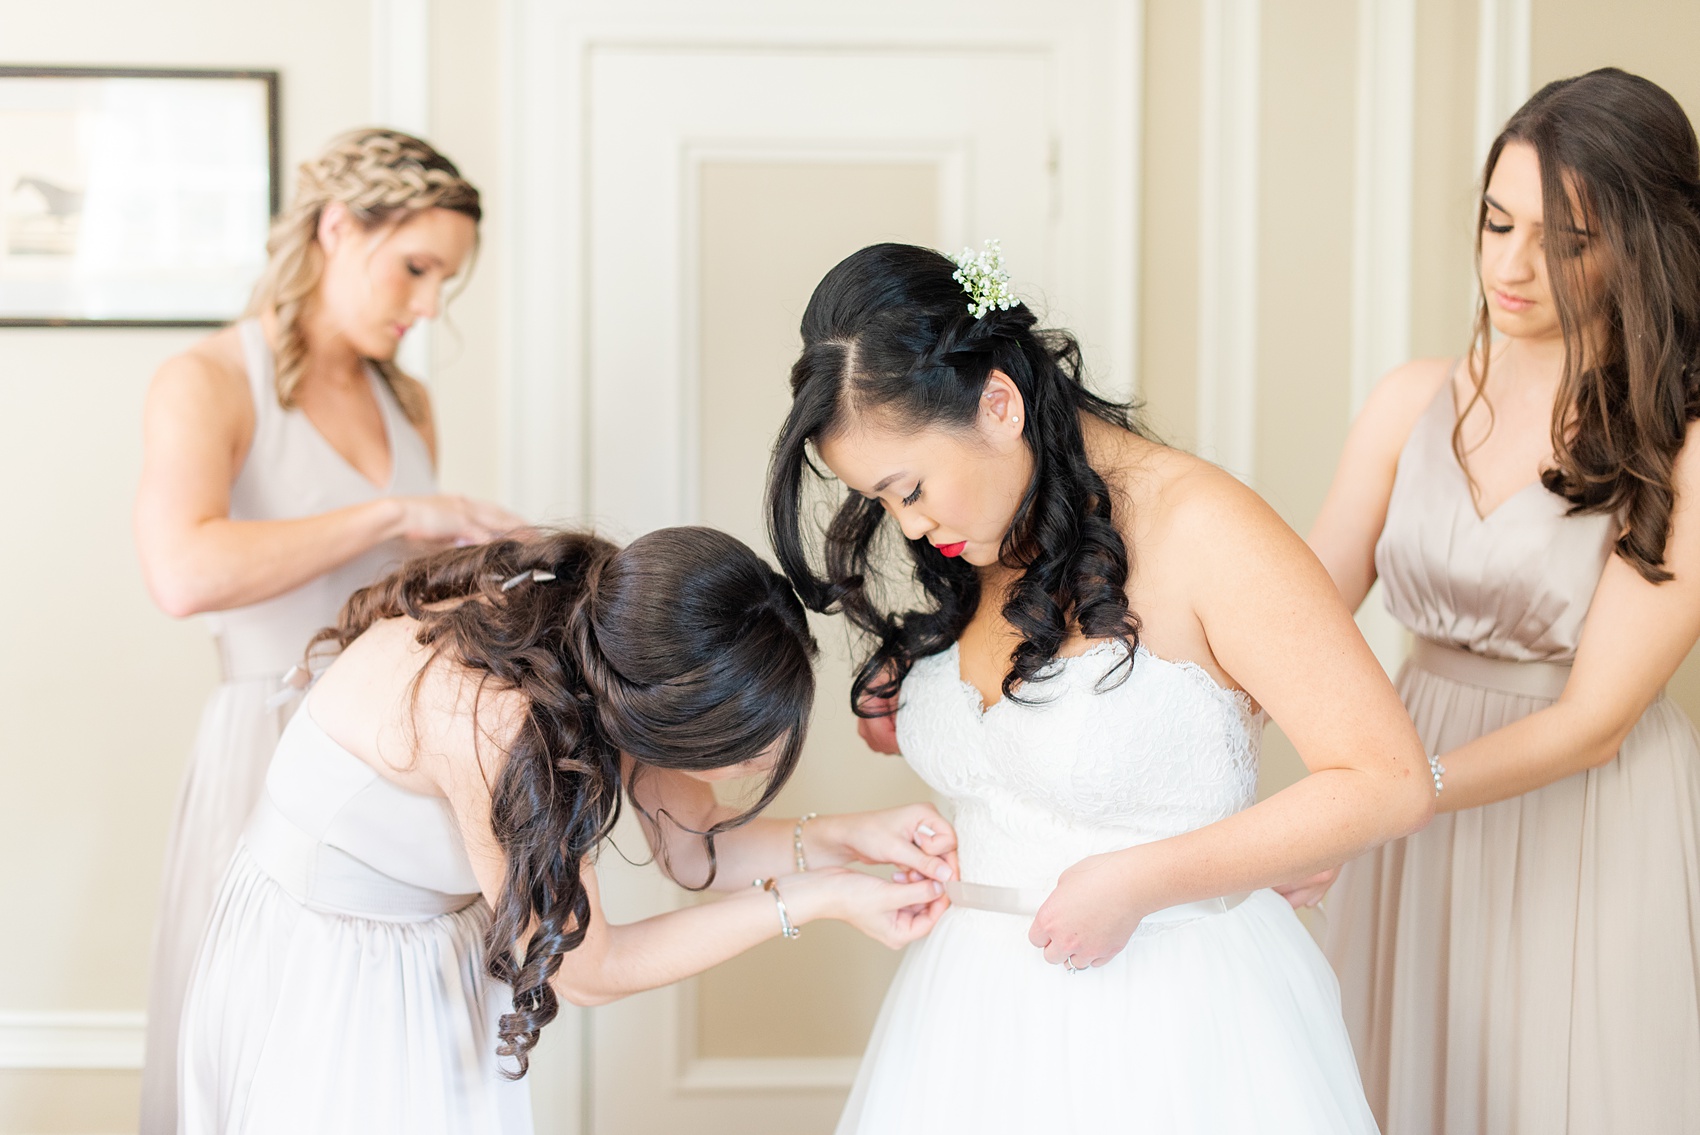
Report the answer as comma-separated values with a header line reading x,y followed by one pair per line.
x,y
267,82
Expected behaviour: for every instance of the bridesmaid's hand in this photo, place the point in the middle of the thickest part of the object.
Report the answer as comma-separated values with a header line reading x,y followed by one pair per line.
x,y
1092,913
1308,892
893,914
913,837
879,733
444,519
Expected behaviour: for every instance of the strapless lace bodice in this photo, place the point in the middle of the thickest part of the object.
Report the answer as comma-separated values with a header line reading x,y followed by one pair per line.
x,y
1036,787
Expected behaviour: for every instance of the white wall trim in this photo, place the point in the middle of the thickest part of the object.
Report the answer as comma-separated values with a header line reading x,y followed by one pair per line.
x,y
1382,212
71,1040
1502,67
401,64
1227,271
793,1074
401,98
1382,228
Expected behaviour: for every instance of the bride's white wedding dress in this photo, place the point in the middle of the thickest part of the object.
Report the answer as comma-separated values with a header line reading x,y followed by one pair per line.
x,y
1219,1017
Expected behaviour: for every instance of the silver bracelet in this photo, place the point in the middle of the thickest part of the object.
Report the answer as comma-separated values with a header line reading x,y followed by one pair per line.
x,y
771,886
797,843
1436,770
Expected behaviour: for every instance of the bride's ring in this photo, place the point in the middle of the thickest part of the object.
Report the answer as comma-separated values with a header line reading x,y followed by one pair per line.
x,y
1068,964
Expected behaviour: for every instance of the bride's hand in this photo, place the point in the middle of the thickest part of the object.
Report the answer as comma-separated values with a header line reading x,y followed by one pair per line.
x,y
1092,913
913,837
894,914
1308,892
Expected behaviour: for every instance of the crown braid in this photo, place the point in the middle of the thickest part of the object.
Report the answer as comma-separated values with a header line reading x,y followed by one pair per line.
x,y
383,177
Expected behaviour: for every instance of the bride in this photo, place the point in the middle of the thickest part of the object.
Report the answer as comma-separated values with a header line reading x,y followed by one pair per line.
x,y
1105,622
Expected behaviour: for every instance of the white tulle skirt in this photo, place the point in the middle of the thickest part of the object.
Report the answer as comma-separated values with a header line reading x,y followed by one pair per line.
x,y
1224,1024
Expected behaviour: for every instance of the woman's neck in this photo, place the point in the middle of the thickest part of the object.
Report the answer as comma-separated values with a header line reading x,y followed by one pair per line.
x,y
1530,367
331,358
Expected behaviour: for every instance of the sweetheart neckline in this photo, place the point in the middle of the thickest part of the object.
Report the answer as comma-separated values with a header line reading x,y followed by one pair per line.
x,y
1239,699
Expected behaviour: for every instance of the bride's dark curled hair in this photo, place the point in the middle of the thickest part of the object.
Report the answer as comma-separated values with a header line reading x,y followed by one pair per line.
x,y
888,334
683,650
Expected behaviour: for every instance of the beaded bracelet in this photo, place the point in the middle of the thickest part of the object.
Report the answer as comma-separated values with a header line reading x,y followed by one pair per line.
x,y
797,843
1436,770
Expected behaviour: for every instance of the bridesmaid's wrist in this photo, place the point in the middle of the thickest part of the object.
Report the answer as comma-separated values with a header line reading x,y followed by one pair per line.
x,y
825,842
389,517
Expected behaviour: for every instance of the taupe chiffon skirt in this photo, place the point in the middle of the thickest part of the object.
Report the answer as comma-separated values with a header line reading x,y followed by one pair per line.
x,y
1532,966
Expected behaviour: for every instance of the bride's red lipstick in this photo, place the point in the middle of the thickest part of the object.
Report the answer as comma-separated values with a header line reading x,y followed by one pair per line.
x,y
951,551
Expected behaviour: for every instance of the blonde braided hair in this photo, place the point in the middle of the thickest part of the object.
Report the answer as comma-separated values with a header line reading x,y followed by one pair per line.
x,y
384,177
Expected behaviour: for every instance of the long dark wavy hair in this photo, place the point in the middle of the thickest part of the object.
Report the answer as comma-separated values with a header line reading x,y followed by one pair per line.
x,y
1631,343
683,650
888,332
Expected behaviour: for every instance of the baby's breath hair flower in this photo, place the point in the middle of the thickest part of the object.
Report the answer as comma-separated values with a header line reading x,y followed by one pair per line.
x,y
982,276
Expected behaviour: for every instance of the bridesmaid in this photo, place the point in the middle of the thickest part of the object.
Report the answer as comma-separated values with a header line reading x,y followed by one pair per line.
x,y
1530,963
416,890
287,461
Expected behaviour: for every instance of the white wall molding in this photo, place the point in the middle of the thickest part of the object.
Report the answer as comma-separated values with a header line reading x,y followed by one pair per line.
x,y
71,1040
1382,209
1502,67
401,98
1227,246
1382,227
744,1075
401,64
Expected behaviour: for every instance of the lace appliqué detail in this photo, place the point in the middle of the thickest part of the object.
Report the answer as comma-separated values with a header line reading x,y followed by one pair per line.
x,y
1084,768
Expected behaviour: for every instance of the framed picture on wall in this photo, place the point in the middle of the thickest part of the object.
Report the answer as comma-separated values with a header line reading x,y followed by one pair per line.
x,y
133,198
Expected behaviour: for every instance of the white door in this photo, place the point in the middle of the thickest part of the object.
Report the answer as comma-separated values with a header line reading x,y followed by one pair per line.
x,y
699,168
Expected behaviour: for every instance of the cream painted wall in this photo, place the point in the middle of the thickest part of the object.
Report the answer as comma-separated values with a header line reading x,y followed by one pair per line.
x,y
99,691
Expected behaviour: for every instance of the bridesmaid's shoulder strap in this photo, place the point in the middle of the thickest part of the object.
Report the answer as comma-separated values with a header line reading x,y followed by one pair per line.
x,y
257,361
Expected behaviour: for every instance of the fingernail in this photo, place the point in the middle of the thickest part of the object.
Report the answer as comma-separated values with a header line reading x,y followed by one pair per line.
x,y
945,873
938,888
925,830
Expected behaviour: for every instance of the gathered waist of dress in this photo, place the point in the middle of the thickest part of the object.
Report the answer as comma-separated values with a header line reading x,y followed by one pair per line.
x,y
251,658
325,879
1505,675
1026,901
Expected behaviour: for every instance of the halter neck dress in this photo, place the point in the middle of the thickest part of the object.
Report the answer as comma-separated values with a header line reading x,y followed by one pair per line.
x,y
1531,967
291,471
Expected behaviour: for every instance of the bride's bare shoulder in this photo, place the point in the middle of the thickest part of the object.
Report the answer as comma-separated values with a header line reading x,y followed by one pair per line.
x,y
1176,505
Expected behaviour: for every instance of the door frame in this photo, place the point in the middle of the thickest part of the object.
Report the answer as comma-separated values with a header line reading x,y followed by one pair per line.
x,y
1096,50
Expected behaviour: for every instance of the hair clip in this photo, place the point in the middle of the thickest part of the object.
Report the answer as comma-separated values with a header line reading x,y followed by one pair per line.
x,y
535,575
982,276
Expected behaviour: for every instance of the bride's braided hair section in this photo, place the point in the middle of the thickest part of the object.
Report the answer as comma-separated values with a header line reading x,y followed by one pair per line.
x,y
682,650
889,331
383,177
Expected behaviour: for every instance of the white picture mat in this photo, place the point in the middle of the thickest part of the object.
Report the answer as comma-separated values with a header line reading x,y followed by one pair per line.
x,y
132,198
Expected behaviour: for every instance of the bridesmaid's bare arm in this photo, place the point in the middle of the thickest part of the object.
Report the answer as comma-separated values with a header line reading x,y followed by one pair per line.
x,y
1636,635
464,760
198,422
1355,509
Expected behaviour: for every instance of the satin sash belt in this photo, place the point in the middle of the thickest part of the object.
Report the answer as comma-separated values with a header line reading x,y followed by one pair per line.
x,y
323,878
1026,901
1529,679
